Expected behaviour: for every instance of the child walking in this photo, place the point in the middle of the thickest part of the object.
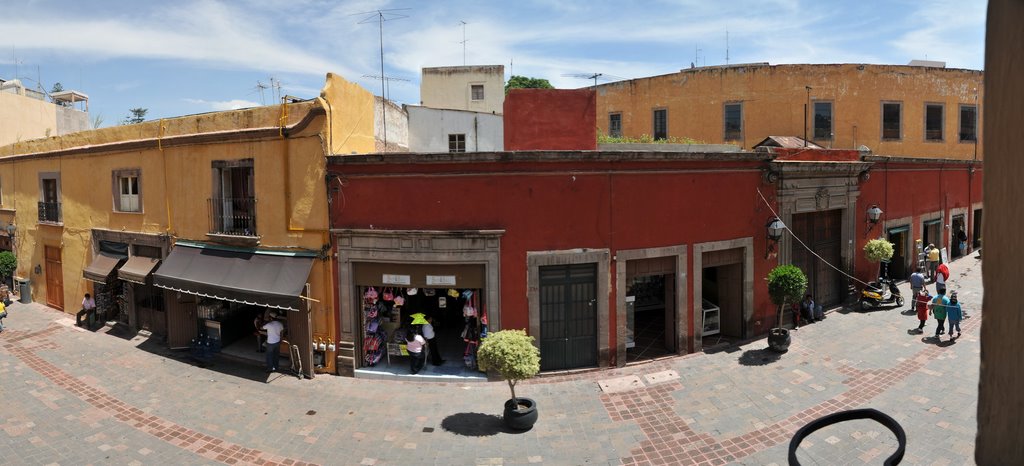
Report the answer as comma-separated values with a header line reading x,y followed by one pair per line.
x,y
921,301
955,315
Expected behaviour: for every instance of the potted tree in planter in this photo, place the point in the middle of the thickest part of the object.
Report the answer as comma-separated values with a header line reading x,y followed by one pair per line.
x,y
8,264
511,353
878,250
786,284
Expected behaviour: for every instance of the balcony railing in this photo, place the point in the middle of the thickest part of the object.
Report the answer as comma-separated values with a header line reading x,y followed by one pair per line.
x,y
49,212
235,216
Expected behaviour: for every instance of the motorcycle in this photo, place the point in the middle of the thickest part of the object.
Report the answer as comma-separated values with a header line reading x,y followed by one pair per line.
x,y
880,293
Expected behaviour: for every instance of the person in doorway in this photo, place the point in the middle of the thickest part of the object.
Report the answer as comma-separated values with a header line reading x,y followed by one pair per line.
x,y
807,309
939,306
961,240
941,277
414,343
257,324
428,334
922,300
955,314
274,330
933,260
917,281
88,307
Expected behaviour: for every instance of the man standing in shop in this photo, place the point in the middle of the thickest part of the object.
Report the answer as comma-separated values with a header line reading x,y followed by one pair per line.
x,y
428,333
274,329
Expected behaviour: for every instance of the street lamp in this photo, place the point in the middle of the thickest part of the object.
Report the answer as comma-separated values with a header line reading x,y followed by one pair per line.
x,y
775,228
874,214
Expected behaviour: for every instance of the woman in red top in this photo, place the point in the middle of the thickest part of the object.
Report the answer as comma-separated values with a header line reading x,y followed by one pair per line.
x,y
922,300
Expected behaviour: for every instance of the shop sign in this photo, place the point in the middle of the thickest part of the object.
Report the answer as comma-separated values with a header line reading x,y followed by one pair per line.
x,y
440,280
390,279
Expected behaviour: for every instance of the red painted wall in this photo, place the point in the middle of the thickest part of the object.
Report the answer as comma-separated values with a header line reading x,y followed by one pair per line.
x,y
913,189
620,202
550,119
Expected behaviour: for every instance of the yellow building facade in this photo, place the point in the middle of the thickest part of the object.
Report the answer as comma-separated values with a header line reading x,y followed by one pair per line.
x,y
248,181
912,111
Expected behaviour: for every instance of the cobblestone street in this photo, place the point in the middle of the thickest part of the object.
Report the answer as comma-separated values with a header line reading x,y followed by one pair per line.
x,y
75,397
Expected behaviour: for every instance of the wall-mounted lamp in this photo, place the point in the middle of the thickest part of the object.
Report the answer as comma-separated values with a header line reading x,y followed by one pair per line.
x,y
874,214
775,228
38,269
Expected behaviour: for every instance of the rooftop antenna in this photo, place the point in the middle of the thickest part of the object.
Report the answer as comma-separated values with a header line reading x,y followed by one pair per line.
x,y
727,46
594,76
463,43
381,16
387,79
260,87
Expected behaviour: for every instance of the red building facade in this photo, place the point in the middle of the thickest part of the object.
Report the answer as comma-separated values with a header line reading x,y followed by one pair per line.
x,y
609,257
550,119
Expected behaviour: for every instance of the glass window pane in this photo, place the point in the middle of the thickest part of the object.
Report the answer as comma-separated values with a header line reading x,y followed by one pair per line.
x,y
822,120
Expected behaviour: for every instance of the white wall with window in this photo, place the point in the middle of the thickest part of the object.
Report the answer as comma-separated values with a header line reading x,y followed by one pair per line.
x,y
478,88
432,130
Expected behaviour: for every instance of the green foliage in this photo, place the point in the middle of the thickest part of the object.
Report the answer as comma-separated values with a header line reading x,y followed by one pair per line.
x,y
57,87
523,82
644,139
786,284
878,250
511,353
8,264
136,115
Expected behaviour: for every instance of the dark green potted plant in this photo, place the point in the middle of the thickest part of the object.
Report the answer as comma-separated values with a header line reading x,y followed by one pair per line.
x,y
786,284
511,354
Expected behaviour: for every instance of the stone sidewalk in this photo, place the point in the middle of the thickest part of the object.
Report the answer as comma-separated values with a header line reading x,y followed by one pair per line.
x,y
74,397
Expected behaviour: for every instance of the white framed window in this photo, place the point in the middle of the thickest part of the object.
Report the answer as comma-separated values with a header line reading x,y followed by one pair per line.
x,y
476,91
456,143
127,190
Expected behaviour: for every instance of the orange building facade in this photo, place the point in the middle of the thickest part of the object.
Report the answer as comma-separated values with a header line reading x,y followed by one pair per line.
x,y
911,111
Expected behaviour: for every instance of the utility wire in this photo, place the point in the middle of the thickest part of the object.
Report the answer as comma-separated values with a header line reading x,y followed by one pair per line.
x,y
797,238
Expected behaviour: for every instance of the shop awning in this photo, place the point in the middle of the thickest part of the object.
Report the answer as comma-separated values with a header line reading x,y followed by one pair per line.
x,y
100,267
262,278
137,269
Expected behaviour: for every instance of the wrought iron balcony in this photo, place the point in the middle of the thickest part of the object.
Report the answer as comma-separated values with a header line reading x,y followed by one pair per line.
x,y
49,212
232,216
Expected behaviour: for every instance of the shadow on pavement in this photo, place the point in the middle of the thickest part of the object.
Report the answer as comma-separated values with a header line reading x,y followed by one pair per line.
x,y
909,312
224,364
475,425
933,340
759,357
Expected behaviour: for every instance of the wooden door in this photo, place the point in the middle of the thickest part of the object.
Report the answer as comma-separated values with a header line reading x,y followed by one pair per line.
x,y
54,278
820,231
300,334
182,325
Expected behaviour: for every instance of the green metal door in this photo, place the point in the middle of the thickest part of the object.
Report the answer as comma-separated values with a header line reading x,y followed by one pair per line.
x,y
568,316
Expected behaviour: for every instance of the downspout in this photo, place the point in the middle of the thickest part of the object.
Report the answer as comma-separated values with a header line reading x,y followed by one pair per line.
x,y
167,189
476,134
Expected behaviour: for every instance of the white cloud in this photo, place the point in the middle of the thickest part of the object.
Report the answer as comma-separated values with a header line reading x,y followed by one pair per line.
x,y
219,105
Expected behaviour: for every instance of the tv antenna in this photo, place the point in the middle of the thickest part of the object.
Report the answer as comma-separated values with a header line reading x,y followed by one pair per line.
x,y
380,16
387,79
260,87
463,42
727,47
594,76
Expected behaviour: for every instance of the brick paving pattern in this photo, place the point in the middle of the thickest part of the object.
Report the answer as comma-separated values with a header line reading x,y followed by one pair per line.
x,y
75,397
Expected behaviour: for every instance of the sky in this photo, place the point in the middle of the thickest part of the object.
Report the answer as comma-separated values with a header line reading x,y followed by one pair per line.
x,y
193,56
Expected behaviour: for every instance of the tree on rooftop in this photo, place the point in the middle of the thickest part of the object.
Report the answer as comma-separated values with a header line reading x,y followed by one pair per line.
x,y
523,82
136,115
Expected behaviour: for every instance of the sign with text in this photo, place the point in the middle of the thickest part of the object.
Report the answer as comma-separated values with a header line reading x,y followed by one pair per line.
x,y
389,279
440,280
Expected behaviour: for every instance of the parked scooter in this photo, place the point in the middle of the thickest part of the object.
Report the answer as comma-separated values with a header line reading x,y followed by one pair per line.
x,y
880,293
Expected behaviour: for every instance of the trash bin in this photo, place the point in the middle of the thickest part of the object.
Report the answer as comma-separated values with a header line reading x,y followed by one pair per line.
x,y
23,290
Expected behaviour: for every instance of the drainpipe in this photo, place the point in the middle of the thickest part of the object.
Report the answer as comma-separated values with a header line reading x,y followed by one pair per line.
x,y
167,189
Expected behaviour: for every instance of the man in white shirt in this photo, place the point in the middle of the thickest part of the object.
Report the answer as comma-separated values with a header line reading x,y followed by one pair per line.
x,y
88,307
274,330
428,333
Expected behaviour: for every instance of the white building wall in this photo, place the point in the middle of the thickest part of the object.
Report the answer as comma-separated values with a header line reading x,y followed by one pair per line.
x,y
397,126
450,87
429,129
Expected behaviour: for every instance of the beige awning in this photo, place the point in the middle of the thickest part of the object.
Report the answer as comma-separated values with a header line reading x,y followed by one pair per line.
x,y
137,269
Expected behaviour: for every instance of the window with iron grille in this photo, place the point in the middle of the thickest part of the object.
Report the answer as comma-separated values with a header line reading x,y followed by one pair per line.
x,y
456,143
127,195
477,91
615,125
233,205
968,123
733,121
892,113
49,198
933,122
660,124
823,120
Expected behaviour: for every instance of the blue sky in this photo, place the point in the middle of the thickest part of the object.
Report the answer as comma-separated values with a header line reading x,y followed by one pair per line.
x,y
193,56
